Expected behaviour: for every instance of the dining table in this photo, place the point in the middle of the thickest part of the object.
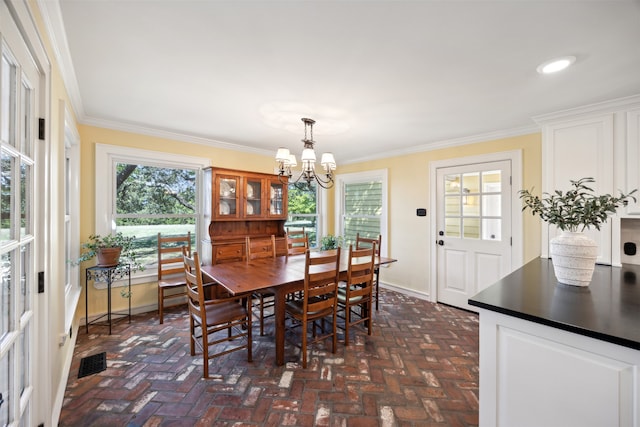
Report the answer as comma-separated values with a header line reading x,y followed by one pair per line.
x,y
281,276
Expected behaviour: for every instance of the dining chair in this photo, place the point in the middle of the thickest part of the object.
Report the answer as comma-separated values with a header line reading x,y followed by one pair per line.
x,y
171,269
319,300
297,244
257,248
365,242
355,294
217,320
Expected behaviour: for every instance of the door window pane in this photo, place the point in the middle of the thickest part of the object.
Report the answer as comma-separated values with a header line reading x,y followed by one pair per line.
x,y
25,298
471,182
6,311
471,205
7,164
25,198
491,181
471,228
452,227
7,103
491,205
452,205
5,386
491,229
452,184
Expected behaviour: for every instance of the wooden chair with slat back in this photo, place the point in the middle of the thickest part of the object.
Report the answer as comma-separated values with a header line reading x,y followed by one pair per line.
x,y
319,300
218,322
365,242
171,269
356,293
297,244
262,247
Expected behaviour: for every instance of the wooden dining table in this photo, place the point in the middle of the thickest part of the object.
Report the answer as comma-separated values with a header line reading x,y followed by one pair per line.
x,y
281,276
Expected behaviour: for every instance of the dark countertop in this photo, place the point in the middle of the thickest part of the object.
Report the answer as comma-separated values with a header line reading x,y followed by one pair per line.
x,y
608,309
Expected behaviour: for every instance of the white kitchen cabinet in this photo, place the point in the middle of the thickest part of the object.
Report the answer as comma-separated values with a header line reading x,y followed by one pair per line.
x,y
632,158
574,149
601,141
535,375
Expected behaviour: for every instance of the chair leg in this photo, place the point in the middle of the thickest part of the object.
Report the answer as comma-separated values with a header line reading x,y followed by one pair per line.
x,y
377,288
261,315
304,344
334,328
160,299
192,341
347,320
368,314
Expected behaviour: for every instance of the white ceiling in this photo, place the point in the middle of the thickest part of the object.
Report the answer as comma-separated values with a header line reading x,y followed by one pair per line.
x,y
379,77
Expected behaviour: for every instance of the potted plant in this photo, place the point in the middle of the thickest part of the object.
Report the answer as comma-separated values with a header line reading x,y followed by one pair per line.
x,y
331,242
110,250
572,252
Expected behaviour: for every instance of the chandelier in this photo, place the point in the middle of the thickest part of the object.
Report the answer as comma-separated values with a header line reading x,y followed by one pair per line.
x,y
287,161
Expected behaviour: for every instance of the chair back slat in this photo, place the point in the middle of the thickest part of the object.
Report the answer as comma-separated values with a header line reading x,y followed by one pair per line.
x,y
367,242
195,289
297,245
170,254
321,282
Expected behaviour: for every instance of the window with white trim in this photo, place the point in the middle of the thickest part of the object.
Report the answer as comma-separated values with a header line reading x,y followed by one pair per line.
x,y
72,286
362,205
304,212
147,192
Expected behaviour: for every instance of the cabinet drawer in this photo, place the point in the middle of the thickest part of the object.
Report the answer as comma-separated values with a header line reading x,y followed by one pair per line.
x,y
230,252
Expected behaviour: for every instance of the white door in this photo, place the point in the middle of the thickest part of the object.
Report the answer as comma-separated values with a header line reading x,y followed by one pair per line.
x,y
19,93
473,227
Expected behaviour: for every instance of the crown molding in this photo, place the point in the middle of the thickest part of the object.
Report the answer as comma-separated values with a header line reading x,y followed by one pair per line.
x,y
176,136
54,25
609,106
455,142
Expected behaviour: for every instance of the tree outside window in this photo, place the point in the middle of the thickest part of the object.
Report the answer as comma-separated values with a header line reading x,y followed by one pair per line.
x,y
303,211
152,200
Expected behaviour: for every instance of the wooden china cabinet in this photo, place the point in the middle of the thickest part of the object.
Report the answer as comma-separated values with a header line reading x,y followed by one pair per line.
x,y
239,204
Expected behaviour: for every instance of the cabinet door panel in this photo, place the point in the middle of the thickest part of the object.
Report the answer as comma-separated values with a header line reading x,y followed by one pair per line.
x,y
578,149
633,158
228,189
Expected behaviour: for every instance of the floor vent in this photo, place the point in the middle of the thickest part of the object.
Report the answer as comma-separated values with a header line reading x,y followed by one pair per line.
x,y
92,364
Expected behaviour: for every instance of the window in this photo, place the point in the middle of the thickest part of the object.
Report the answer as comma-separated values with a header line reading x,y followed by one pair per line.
x,y
151,200
303,211
72,286
147,193
362,205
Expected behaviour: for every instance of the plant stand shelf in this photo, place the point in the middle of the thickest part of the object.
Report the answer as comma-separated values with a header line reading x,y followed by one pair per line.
x,y
106,274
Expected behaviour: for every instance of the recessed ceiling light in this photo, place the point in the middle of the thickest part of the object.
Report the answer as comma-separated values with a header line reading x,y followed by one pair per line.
x,y
555,65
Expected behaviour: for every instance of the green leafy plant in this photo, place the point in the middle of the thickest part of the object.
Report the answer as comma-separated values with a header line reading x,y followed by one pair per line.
x,y
577,209
127,243
331,242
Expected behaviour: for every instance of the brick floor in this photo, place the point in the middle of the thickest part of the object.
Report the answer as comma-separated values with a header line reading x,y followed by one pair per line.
x,y
419,368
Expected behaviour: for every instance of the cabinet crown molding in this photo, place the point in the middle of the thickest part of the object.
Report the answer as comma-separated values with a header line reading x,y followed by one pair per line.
x,y
604,107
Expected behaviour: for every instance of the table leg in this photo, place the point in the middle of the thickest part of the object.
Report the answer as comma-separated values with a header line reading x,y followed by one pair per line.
x,y
109,301
279,308
86,302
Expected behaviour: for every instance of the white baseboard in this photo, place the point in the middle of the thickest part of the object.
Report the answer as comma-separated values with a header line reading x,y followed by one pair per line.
x,y
410,292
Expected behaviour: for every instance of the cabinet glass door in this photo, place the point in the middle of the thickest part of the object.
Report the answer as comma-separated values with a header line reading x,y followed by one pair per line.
x,y
228,197
253,197
276,202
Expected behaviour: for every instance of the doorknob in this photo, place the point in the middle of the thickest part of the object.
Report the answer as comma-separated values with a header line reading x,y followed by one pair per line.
x,y
440,242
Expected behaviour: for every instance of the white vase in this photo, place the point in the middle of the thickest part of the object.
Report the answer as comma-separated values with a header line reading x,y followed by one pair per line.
x,y
574,258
